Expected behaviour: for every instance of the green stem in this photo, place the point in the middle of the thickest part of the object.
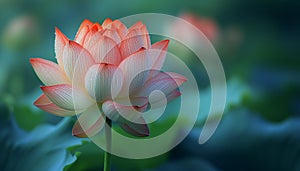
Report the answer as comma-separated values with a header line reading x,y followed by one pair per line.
x,y
107,155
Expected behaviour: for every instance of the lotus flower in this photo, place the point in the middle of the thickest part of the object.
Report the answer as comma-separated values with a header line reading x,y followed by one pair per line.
x,y
97,70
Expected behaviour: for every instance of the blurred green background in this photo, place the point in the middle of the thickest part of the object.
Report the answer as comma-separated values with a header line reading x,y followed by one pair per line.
x,y
257,41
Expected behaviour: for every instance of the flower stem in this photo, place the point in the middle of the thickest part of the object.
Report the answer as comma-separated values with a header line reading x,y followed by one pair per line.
x,y
107,155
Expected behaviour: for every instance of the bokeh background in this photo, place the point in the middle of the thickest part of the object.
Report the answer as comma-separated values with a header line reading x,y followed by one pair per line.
x,y
257,41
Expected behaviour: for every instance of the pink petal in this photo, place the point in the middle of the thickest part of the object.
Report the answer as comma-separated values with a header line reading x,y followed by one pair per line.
x,y
163,81
160,75
45,104
107,23
82,31
135,40
48,72
60,41
111,110
167,83
136,68
96,27
161,46
139,130
158,101
91,39
133,101
89,123
105,50
173,95
179,79
83,24
137,25
113,34
76,62
80,36
115,110
120,28
66,97
100,81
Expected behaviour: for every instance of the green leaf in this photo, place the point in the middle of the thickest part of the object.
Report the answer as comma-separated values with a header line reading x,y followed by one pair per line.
x,y
44,148
187,164
245,141
32,118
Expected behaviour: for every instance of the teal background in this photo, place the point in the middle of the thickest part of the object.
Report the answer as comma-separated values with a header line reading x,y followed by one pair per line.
x,y
258,43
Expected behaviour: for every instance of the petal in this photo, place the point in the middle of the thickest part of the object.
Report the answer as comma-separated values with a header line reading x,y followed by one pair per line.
x,y
132,101
60,42
137,25
120,28
166,82
173,95
112,109
159,101
117,31
179,79
161,46
116,111
66,97
48,72
89,123
102,79
81,35
139,130
107,23
135,40
76,62
160,75
113,34
105,50
83,24
82,31
109,109
45,104
96,27
136,68
91,39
